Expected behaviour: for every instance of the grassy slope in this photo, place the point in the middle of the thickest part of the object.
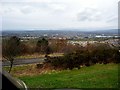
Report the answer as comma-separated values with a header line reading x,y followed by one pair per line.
x,y
97,76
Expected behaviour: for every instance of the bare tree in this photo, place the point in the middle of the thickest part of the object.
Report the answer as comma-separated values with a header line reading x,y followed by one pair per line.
x,y
10,49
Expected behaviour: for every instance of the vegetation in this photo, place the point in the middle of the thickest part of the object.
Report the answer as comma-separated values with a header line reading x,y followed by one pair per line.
x,y
46,46
36,55
74,55
86,56
96,76
10,49
58,45
42,46
101,58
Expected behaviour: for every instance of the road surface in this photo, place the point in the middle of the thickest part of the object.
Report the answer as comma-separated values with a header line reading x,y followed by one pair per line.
x,y
23,61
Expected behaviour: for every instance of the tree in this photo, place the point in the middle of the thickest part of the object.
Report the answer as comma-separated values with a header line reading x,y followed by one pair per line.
x,y
10,49
42,46
58,45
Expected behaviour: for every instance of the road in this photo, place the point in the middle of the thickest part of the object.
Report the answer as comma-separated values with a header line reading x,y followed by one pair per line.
x,y
23,61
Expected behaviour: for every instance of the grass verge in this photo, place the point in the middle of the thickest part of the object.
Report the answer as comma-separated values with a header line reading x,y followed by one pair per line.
x,y
38,56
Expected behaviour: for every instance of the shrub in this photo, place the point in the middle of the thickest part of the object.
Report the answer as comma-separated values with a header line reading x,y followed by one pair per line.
x,y
39,65
99,54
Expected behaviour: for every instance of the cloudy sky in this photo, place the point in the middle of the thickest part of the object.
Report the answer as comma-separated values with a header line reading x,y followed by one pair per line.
x,y
59,14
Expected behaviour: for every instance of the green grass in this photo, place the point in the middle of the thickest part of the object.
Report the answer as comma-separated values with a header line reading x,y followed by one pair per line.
x,y
96,76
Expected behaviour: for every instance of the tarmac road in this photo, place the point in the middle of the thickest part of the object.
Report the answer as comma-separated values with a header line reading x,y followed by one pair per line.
x,y
23,61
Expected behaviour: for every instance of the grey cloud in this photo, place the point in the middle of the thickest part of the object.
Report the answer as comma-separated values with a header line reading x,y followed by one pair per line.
x,y
24,7
7,10
89,14
112,19
26,10
42,6
33,7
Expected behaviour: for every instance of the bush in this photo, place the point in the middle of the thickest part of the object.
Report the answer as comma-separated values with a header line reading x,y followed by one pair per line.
x,y
87,57
39,65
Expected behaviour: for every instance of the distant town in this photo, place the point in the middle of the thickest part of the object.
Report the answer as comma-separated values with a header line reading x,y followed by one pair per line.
x,y
72,36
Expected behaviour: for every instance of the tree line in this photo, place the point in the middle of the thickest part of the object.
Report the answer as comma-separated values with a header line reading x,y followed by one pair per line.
x,y
13,47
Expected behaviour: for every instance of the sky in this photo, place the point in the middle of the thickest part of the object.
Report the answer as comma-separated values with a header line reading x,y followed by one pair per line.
x,y
59,14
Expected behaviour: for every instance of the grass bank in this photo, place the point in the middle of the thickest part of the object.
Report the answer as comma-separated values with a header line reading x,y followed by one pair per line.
x,y
96,76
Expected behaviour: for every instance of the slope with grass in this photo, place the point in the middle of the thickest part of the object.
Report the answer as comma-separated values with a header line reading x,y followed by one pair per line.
x,y
96,76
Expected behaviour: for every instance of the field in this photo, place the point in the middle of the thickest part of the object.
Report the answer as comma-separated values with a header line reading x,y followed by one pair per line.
x,y
96,76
